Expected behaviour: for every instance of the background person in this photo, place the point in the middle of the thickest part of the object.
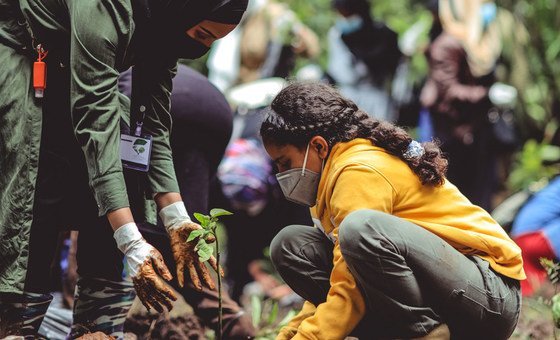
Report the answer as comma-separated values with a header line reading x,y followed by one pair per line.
x,y
363,57
462,57
266,44
536,229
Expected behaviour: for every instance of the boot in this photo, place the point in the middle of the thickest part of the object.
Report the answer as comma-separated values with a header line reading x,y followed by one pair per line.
x,y
22,314
101,306
441,332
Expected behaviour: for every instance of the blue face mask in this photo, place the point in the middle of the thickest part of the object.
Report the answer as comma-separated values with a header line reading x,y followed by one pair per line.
x,y
349,24
488,13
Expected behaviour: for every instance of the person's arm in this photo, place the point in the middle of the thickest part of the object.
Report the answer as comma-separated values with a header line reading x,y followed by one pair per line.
x,y
306,42
95,107
445,68
345,306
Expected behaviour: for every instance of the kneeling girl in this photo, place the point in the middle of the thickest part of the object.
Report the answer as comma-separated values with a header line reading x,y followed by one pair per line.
x,y
397,251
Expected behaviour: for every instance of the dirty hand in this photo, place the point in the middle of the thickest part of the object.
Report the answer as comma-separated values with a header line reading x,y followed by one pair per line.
x,y
179,226
145,263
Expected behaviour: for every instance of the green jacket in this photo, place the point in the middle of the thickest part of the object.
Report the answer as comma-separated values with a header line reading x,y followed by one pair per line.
x,y
93,38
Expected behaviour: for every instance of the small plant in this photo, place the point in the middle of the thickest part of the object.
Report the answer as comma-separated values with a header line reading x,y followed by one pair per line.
x,y
264,314
204,250
553,271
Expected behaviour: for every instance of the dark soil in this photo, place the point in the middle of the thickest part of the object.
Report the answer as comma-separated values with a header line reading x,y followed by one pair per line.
x,y
146,326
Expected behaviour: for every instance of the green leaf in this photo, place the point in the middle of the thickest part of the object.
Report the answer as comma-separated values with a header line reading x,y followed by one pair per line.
x,y
205,246
556,310
217,212
204,250
550,153
256,310
203,256
287,318
203,219
273,313
140,141
194,234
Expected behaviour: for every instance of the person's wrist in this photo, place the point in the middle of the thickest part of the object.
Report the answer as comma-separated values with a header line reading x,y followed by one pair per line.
x,y
174,215
127,237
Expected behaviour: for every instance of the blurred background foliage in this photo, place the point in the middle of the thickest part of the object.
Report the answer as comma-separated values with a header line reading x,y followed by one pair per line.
x,y
530,63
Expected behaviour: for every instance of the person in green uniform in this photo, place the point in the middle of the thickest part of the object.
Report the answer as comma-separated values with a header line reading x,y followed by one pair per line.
x,y
59,155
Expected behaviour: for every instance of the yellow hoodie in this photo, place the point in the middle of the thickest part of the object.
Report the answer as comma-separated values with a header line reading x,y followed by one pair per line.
x,y
358,175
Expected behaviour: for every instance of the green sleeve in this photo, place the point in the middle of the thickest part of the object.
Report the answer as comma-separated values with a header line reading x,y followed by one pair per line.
x,y
97,30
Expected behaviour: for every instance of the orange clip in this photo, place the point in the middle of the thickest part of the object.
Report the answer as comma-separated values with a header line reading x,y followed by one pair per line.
x,y
40,73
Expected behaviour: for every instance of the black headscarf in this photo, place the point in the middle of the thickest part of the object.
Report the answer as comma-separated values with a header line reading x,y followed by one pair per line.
x,y
162,25
359,7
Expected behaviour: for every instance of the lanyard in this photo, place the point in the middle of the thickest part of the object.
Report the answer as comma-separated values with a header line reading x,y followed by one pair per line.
x,y
138,106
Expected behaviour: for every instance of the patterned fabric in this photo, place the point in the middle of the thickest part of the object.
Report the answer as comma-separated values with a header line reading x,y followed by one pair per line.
x,y
101,306
245,174
22,314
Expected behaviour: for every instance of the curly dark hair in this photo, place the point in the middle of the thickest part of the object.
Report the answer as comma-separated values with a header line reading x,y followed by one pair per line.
x,y
304,110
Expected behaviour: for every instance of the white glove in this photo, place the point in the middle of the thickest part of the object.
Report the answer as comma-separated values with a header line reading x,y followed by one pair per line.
x,y
174,216
145,263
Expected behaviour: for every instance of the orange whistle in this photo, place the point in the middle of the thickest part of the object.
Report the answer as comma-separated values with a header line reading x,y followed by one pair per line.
x,y
39,78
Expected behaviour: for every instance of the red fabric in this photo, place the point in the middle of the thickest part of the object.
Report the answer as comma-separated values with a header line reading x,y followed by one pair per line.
x,y
533,247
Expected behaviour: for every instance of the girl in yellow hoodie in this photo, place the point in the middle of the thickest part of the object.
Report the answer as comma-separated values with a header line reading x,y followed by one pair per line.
x,y
396,251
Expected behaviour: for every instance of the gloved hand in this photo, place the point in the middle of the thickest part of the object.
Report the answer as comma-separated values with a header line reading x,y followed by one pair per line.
x,y
143,261
179,226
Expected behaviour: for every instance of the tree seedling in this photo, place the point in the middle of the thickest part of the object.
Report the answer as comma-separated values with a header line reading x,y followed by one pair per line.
x,y
209,224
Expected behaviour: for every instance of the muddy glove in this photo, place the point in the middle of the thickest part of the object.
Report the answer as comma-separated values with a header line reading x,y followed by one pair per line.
x,y
179,226
145,263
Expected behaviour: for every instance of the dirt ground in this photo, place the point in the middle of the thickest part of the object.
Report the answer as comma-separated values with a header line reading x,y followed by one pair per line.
x,y
535,322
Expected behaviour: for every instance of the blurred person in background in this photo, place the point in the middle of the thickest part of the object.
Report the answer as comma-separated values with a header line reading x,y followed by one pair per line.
x,y
265,45
363,57
536,229
462,58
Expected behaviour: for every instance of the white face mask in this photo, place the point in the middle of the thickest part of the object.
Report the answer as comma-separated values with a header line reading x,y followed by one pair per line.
x,y
300,185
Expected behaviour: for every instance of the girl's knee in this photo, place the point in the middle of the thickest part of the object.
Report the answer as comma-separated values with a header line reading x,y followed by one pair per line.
x,y
360,223
364,230
285,244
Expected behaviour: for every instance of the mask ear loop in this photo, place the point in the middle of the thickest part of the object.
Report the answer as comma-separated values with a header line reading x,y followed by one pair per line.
x,y
305,161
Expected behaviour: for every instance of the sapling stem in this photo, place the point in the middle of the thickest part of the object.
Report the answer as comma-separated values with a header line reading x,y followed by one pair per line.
x,y
218,271
209,227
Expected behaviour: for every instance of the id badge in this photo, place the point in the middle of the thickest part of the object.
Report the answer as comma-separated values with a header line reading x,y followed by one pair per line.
x,y
136,151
